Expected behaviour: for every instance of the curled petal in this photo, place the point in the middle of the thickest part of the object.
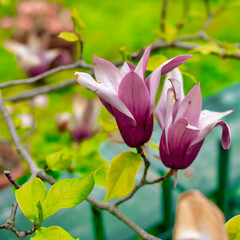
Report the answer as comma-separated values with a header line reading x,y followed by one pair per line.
x,y
210,117
191,106
226,134
105,93
142,64
153,79
107,73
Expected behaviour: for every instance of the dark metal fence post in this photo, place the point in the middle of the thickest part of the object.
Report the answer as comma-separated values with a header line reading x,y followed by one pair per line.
x,y
98,223
221,195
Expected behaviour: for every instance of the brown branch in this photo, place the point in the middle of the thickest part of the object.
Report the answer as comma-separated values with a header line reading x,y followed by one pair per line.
x,y
10,179
163,16
40,90
144,180
77,64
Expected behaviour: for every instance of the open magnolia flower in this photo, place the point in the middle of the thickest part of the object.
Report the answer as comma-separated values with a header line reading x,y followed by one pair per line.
x,y
127,96
184,124
198,218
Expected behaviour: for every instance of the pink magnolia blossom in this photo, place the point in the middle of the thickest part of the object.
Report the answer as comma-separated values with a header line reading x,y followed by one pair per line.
x,y
184,124
82,123
127,96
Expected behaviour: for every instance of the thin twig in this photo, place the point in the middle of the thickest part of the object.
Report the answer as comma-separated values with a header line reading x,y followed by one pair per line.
x,y
143,180
163,16
77,64
10,179
40,90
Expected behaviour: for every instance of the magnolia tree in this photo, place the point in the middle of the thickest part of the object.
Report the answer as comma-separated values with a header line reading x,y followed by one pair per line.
x,y
129,95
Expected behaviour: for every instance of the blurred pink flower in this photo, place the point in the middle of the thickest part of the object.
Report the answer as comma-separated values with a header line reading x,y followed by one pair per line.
x,y
81,124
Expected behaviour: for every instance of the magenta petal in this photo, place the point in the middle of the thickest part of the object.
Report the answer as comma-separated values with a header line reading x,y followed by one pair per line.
x,y
226,134
192,153
179,139
191,106
134,93
142,64
126,68
153,79
208,121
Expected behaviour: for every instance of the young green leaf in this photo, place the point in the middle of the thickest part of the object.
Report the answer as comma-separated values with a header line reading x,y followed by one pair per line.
x,y
58,161
233,228
121,175
52,233
69,36
40,214
79,25
208,48
28,197
68,193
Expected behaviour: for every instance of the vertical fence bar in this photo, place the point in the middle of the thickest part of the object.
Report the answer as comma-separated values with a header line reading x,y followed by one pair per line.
x,y
167,204
223,165
98,223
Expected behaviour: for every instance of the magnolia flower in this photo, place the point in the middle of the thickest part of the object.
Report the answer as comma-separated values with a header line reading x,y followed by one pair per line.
x,y
127,96
34,57
81,124
184,124
198,218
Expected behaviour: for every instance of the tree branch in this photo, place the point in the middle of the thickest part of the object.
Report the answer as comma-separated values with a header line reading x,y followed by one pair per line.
x,y
79,63
163,16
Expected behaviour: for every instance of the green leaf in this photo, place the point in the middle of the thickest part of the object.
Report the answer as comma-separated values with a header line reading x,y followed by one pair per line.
x,y
52,233
121,175
208,48
155,61
68,36
58,161
79,25
68,193
233,228
40,213
28,196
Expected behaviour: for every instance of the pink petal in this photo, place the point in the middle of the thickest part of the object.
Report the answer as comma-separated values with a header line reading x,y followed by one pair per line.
x,y
105,93
162,108
134,93
142,64
107,73
226,134
153,79
191,106
208,121
180,137
126,68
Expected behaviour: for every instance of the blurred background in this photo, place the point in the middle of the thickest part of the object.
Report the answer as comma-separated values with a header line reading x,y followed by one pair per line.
x,y
48,123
